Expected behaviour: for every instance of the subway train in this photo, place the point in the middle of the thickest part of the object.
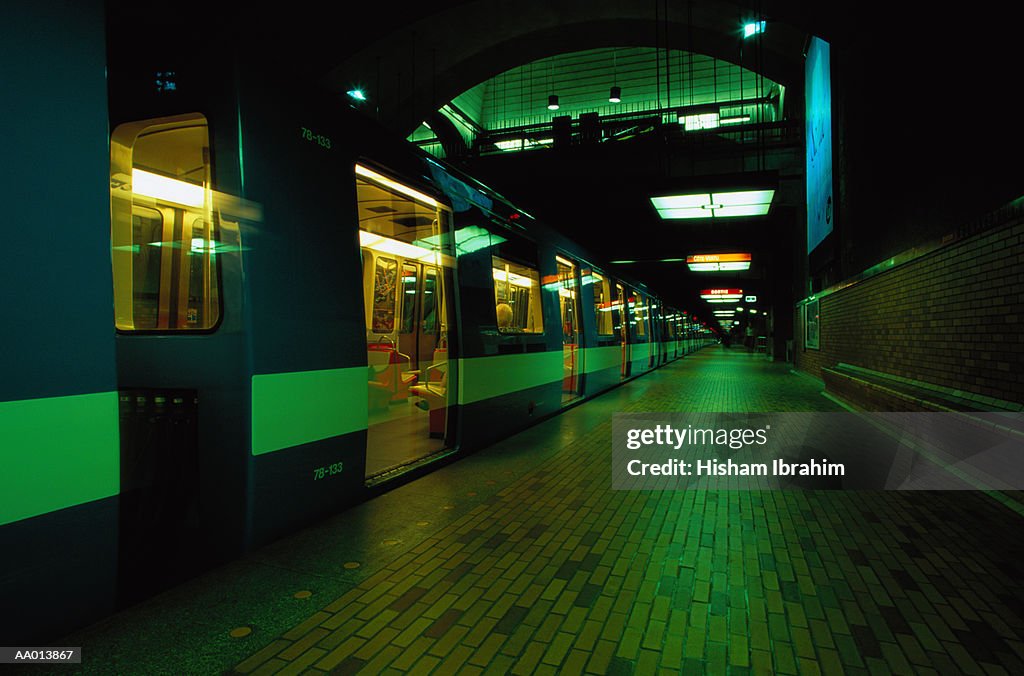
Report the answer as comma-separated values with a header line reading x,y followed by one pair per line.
x,y
306,311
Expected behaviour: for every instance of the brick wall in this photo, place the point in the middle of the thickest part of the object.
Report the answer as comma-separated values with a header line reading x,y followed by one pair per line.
x,y
953,317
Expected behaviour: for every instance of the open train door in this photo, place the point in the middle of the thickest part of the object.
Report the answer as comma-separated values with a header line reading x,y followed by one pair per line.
x,y
408,267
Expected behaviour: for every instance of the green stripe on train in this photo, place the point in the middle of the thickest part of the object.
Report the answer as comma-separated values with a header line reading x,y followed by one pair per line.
x,y
486,377
601,358
57,452
290,409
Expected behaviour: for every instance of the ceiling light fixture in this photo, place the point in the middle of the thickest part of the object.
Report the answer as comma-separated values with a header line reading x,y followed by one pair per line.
x,y
615,95
167,189
714,204
553,102
386,182
738,119
699,121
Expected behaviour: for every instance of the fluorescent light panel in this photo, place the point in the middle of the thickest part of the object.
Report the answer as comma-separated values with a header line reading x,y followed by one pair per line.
x,y
511,278
700,121
396,247
680,201
714,204
743,197
167,189
395,185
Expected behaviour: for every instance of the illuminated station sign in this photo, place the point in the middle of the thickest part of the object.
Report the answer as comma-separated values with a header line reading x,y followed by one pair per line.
x,y
718,262
722,295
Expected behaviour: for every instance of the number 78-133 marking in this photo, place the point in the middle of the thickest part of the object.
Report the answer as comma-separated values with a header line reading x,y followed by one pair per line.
x,y
319,139
329,470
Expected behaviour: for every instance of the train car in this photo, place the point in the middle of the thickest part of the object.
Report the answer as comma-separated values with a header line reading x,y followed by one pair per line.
x,y
305,312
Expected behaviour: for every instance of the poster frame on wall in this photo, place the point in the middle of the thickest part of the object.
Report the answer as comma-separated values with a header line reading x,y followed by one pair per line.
x,y
812,325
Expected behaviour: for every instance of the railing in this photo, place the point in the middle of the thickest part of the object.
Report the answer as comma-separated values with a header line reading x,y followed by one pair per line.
x,y
621,127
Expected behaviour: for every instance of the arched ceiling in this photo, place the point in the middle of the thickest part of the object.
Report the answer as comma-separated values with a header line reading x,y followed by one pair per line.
x,y
648,80
419,67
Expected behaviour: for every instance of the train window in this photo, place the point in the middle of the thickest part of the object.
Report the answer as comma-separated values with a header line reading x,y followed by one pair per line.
x,y
163,226
619,306
639,314
602,303
400,228
384,292
567,298
516,297
430,288
407,295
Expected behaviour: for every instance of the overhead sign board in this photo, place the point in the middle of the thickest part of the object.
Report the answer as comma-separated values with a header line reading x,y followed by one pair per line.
x,y
718,258
722,295
718,262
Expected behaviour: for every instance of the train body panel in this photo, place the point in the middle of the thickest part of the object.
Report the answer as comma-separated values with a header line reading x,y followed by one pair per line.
x,y
301,262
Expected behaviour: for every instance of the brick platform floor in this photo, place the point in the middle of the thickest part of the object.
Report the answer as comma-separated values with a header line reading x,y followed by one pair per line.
x,y
521,559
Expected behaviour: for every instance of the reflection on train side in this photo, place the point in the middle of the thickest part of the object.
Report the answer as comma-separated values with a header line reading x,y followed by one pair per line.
x,y
621,324
602,303
407,275
572,336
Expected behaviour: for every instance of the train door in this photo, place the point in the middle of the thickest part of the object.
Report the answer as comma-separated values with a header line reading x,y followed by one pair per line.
x,y
165,231
622,319
572,334
407,279
418,334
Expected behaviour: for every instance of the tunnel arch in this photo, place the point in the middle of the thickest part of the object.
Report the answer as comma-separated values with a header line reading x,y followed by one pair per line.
x,y
420,67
